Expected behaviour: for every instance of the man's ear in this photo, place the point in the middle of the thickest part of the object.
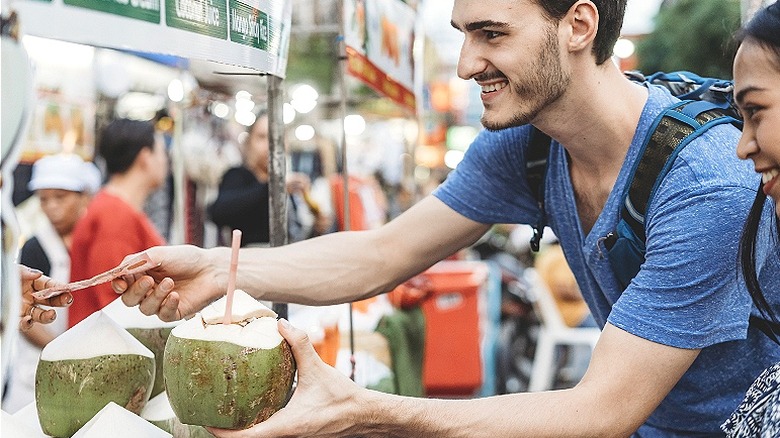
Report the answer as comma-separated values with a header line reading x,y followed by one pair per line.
x,y
583,22
143,157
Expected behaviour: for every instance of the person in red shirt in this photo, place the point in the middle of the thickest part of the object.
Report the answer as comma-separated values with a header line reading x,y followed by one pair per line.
x,y
115,224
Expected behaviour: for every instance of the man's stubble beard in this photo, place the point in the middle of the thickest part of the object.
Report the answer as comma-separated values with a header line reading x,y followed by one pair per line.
x,y
545,84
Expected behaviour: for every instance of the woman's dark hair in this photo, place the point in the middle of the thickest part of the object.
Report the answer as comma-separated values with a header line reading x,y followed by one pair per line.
x,y
611,14
763,29
121,142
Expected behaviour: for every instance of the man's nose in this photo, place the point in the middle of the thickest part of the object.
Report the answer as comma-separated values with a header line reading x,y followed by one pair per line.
x,y
470,63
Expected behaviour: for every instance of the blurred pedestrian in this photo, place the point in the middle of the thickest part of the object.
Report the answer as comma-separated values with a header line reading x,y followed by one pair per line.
x,y
243,199
115,224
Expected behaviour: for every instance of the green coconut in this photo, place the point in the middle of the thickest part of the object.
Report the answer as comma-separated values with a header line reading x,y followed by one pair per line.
x,y
149,330
228,376
82,370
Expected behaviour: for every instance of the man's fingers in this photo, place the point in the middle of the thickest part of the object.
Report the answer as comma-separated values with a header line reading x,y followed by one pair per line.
x,y
169,311
119,285
151,303
137,291
299,341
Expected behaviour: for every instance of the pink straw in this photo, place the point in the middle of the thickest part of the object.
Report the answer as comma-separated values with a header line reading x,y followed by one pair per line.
x,y
232,277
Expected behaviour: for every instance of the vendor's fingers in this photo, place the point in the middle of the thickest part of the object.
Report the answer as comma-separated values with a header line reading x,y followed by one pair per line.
x,y
37,314
43,316
25,323
153,300
137,291
27,273
63,300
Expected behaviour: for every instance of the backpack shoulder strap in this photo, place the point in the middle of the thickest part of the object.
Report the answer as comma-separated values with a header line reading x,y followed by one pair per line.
x,y
537,155
672,130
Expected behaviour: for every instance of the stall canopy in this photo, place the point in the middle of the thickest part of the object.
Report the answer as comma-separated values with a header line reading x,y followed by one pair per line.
x,y
246,33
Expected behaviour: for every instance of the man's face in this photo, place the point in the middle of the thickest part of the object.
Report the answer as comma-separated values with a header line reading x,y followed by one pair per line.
x,y
159,164
62,207
512,51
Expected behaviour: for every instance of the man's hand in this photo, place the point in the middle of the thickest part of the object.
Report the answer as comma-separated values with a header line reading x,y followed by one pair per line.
x,y
33,280
324,404
184,280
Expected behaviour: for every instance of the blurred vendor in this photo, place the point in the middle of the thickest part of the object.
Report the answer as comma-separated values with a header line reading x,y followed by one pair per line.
x,y
64,184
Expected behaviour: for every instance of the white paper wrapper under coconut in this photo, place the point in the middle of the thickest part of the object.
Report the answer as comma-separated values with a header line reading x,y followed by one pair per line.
x,y
117,422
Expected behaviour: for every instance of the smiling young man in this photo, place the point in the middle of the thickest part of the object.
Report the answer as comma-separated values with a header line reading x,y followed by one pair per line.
x,y
676,353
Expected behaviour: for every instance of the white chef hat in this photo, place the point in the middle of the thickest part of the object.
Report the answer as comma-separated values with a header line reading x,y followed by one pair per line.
x,y
66,172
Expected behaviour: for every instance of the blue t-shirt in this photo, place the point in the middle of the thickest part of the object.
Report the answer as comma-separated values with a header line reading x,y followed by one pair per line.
x,y
687,293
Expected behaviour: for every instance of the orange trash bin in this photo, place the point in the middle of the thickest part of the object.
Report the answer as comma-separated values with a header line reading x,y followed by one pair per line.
x,y
452,364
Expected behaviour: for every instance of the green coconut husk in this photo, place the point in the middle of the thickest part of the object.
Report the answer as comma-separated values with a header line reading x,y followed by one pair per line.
x,y
227,376
92,364
151,331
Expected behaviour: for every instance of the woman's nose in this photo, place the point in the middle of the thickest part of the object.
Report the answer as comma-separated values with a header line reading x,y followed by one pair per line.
x,y
747,146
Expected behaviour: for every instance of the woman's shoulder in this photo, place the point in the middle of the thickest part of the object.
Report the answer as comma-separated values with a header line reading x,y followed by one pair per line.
x,y
759,412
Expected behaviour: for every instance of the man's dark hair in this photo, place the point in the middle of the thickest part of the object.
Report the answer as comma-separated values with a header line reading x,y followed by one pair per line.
x,y
611,14
121,142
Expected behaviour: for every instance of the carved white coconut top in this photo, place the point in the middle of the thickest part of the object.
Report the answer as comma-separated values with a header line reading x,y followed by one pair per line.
x,y
244,307
96,335
259,333
131,317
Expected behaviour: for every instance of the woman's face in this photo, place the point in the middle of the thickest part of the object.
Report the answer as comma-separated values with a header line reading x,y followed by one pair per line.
x,y
757,91
63,208
256,148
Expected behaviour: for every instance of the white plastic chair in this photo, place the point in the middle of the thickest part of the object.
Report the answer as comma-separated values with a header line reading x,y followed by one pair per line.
x,y
553,332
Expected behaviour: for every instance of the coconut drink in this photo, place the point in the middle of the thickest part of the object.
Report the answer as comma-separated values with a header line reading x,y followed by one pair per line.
x,y
149,330
232,375
90,365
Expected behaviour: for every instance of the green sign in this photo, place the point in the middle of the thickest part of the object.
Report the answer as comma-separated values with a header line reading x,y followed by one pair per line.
x,y
205,17
248,25
146,10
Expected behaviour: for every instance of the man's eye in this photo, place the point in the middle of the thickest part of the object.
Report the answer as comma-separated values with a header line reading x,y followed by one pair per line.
x,y
491,34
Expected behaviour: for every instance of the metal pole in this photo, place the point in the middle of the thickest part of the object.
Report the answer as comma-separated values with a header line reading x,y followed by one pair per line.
x,y
344,170
277,167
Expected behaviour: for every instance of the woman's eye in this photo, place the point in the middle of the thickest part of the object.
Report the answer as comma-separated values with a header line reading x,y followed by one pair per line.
x,y
749,111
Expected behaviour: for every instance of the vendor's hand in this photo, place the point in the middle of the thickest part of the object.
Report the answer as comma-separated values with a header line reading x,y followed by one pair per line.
x,y
184,280
33,280
298,182
323,404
